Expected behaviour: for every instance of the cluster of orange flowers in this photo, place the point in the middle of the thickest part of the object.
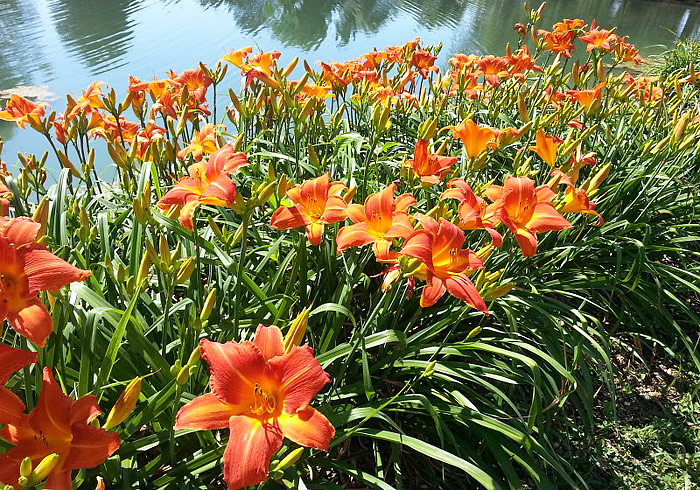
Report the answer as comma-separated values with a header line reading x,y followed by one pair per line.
x,y
262,389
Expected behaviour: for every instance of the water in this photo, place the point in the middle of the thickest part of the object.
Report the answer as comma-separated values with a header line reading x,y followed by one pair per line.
x,y
67,44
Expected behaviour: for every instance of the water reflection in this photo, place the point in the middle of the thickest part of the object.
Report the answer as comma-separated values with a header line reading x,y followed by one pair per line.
x,y
98,34
67,44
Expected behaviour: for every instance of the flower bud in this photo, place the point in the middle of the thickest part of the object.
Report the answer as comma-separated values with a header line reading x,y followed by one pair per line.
x,y
194,357
183,375
208,305
186,269
41,216
296,331
289,460
44,469
25,467
143,268
125,404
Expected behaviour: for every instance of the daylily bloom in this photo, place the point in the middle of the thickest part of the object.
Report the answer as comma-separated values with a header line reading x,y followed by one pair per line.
x,y
431,169
444,264
11,361
424,62
625,52
379,221
492,68
599,39
557,42
526,210
205,141
22,111
57,425
208,183
237,58
474,137
89,101
546,147
576,201
587,97
262,395
26,268
317,203
474,212
567,25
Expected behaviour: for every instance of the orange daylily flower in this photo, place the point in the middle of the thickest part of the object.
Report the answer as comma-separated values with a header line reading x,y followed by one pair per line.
x,y
474,212
318,92
587,97
546,147
492,68
424,62
379,221
474,137
26,268
557,42
317,203
205,141
262,395
89,101
208,183
577,201
430,168
23,111
444,264
237,57
602,39
567,25
11,361
521,61
625,52
57,425
526,210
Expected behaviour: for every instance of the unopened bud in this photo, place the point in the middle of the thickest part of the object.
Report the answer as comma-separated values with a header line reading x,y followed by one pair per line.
x,y
41,216
289,460
25,467
186,269
296,331
125,404
208,305
143,268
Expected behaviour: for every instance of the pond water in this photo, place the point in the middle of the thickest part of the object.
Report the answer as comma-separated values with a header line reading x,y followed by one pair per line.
x,y
66,44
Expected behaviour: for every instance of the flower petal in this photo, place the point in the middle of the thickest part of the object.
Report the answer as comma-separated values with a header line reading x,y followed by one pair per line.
x,y
46,272
235,368
301,377
285,218
269,341
354,236
308,427
461,287
52,414
33,321
250,447
12,360
90,447
85,410
205,412
20,231
11,407
432,291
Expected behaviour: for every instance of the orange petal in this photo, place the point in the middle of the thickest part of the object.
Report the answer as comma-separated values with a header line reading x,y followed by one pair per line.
x,y
46,272
222,189
354,236
52,414
546,218
432,291
20,231
314,233
335,210
527,241
205,412
308,427
33,321
59,480
285,218
461,287
269,341
90,447
419,246
235,367
12,360
250,447
187,213
11,407
300,375
85,410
